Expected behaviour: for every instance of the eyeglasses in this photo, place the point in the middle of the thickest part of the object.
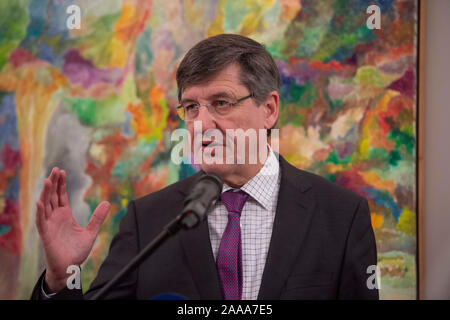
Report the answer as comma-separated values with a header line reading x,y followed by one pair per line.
x,y
189,111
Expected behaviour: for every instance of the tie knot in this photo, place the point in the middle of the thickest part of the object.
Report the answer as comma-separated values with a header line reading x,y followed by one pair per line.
x,y
234,200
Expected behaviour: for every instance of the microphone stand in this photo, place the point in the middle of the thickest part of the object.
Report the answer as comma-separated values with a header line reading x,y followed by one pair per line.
x,y
185,220
196,207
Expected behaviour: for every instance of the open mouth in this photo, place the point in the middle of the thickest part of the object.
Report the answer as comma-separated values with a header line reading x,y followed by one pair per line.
x,y
205,144
210,144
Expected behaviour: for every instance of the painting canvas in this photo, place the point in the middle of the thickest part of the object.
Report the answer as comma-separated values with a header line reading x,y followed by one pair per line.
x,y
100,102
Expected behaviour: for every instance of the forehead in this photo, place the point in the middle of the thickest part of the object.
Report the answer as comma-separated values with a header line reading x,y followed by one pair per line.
x,y
226,81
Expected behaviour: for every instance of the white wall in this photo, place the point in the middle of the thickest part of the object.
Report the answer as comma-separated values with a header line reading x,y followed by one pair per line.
x,y
436,216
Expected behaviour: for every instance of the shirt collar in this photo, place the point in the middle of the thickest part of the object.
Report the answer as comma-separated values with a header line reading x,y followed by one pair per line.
x,y
264,183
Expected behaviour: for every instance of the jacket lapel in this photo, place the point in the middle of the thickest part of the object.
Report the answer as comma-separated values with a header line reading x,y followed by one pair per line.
x,y
293,216
200,259
295,207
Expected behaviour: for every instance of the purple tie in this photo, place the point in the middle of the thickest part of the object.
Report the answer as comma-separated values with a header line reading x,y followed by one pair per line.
x,y
229,257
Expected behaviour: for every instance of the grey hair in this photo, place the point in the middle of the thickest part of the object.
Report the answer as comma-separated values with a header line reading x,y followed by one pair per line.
x,y
258,71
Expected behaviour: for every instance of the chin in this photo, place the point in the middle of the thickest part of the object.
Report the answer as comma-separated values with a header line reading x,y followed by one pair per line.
x,y
222,170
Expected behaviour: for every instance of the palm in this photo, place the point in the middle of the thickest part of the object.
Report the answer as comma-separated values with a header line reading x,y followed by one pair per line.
x,y
65,242
72,243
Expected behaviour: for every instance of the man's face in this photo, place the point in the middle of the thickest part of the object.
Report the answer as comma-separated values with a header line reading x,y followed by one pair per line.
x,y
225,86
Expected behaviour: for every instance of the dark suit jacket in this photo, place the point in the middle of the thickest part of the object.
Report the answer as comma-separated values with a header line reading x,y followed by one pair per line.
x,y
322,243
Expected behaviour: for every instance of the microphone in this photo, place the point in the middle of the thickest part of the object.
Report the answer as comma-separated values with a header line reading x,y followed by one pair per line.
x,y
169,296
197,204
196,207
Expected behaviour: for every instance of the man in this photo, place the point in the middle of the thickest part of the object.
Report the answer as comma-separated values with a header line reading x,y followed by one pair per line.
x,y
276,232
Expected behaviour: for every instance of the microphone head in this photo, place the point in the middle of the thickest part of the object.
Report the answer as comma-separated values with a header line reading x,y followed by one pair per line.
x,y
169,296
206,190
212,177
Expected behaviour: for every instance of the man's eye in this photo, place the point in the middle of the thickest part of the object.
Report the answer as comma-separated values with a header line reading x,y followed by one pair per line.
x,y
190,107
220,103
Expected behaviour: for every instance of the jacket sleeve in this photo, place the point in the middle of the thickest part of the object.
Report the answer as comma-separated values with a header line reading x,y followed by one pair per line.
x,y
360,254
124,247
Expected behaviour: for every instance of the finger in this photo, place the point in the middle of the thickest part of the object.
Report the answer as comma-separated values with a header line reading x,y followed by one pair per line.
x,y
45,197
98,217
54,177
40,217
44,192
61,190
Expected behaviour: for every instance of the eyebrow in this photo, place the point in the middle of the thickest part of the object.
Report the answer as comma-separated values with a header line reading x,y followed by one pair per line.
x,y
221,94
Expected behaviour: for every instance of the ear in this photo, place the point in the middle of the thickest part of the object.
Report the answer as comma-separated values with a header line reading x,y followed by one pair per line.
x,y
271,107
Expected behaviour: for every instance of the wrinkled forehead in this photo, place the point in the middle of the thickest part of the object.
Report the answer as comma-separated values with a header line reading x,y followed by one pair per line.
x,y
228,78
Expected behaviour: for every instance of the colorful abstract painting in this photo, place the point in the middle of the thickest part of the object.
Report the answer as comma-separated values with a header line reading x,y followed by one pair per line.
x,y
99,102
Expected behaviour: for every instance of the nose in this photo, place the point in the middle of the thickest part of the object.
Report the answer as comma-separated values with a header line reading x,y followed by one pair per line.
x,y
207,119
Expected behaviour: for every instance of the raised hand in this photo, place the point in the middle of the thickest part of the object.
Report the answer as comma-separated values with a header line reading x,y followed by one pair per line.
x,y
65,242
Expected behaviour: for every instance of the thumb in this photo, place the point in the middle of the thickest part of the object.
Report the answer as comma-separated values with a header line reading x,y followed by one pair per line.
x,y
98,217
